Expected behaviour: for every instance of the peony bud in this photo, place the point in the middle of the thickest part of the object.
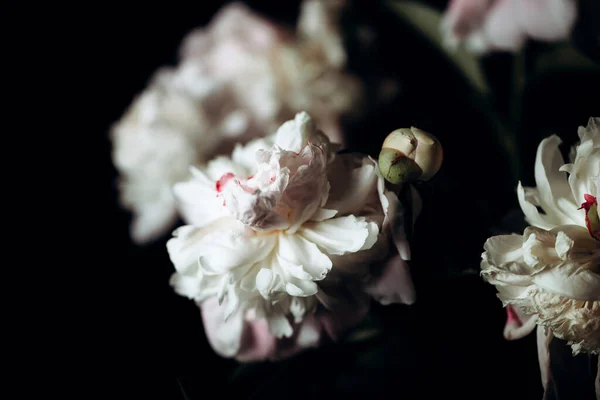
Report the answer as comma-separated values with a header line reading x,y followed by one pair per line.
x,y
410,154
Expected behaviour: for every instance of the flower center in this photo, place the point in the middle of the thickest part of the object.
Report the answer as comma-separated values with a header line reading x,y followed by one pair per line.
x,y
592,221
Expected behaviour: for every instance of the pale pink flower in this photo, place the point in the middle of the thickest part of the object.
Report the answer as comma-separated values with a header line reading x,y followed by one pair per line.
x,y
487,25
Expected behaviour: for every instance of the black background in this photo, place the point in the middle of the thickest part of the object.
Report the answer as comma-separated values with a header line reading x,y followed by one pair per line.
x,y
134,338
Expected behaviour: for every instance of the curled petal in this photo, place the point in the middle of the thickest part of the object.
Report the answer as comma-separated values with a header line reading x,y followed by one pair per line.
x,y
343,235
518,324
394,284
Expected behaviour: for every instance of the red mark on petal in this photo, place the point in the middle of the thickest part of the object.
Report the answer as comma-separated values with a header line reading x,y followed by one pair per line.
x,y
589,202
220,185
590,205
511,316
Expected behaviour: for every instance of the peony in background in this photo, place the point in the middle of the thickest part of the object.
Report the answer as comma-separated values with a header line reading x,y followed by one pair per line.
x,y
389,66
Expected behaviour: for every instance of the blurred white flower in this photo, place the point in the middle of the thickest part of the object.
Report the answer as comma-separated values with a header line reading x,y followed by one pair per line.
x,y
153,145
552,271
285,237
240,77
505,25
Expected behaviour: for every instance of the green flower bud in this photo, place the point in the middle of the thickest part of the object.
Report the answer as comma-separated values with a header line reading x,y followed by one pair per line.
x,y
410,154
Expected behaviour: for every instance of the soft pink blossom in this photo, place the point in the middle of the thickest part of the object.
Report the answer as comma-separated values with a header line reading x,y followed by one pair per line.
x,y
505,25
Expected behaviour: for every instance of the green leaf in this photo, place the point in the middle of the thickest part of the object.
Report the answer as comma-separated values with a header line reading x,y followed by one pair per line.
x,y
562,56
427,21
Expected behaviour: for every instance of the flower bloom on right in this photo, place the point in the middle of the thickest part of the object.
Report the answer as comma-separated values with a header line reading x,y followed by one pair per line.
x,y
505,25
551,273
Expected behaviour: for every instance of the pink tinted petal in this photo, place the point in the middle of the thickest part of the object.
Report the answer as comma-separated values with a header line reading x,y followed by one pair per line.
x,y
464,15
250,340
258,344
518,325
394,285
501,28
340,320
223,336
547,19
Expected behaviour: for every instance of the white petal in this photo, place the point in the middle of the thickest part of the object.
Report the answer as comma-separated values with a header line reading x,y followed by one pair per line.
x,y
341,235
571,281
298,251
293,135
182,250
185,285
245,155
323,214
266,281
564,244
279,326
220,166
223,335
224,251
198,203
297,271
555,193
531,212
301,288
503,249
152,219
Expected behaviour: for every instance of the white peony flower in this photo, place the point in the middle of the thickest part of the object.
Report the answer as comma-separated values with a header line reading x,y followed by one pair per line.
x,y
552,271
274,238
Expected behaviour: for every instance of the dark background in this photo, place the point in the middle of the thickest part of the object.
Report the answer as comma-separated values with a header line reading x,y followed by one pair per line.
x,y
140,340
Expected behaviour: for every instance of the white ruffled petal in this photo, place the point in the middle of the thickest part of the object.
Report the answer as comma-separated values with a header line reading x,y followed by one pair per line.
x,y
300,252
571,281
503,250
343,235
224,251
